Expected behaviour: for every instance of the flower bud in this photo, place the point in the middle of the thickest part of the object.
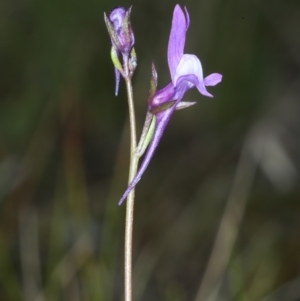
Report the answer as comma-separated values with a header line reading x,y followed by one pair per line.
x,y
120,30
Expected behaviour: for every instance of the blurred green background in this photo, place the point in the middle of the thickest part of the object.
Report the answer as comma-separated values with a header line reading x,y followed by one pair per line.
x,y
217,213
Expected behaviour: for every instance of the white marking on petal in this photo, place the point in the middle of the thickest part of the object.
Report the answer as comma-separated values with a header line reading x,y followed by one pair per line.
x,y
189,65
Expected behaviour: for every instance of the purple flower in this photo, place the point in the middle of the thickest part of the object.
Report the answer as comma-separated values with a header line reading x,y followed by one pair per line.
x,y
122,38
119,29
186,73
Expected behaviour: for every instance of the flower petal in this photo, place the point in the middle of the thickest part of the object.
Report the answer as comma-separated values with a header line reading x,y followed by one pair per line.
x,y
186,82
116,16
187,18
212,79
188,65
201,88
177,38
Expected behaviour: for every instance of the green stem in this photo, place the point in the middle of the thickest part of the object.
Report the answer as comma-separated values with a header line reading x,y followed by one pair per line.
x,y
134,159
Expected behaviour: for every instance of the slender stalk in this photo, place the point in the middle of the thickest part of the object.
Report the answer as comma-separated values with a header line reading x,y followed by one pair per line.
x,y
130,199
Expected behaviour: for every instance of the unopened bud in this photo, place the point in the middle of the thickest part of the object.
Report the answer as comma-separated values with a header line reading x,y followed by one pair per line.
x,y
120,30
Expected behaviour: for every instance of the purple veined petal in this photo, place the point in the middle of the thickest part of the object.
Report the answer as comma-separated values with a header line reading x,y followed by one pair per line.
x,y
187,18
184,83
212,79
161,123
202,89
188,65
177,38
191,80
